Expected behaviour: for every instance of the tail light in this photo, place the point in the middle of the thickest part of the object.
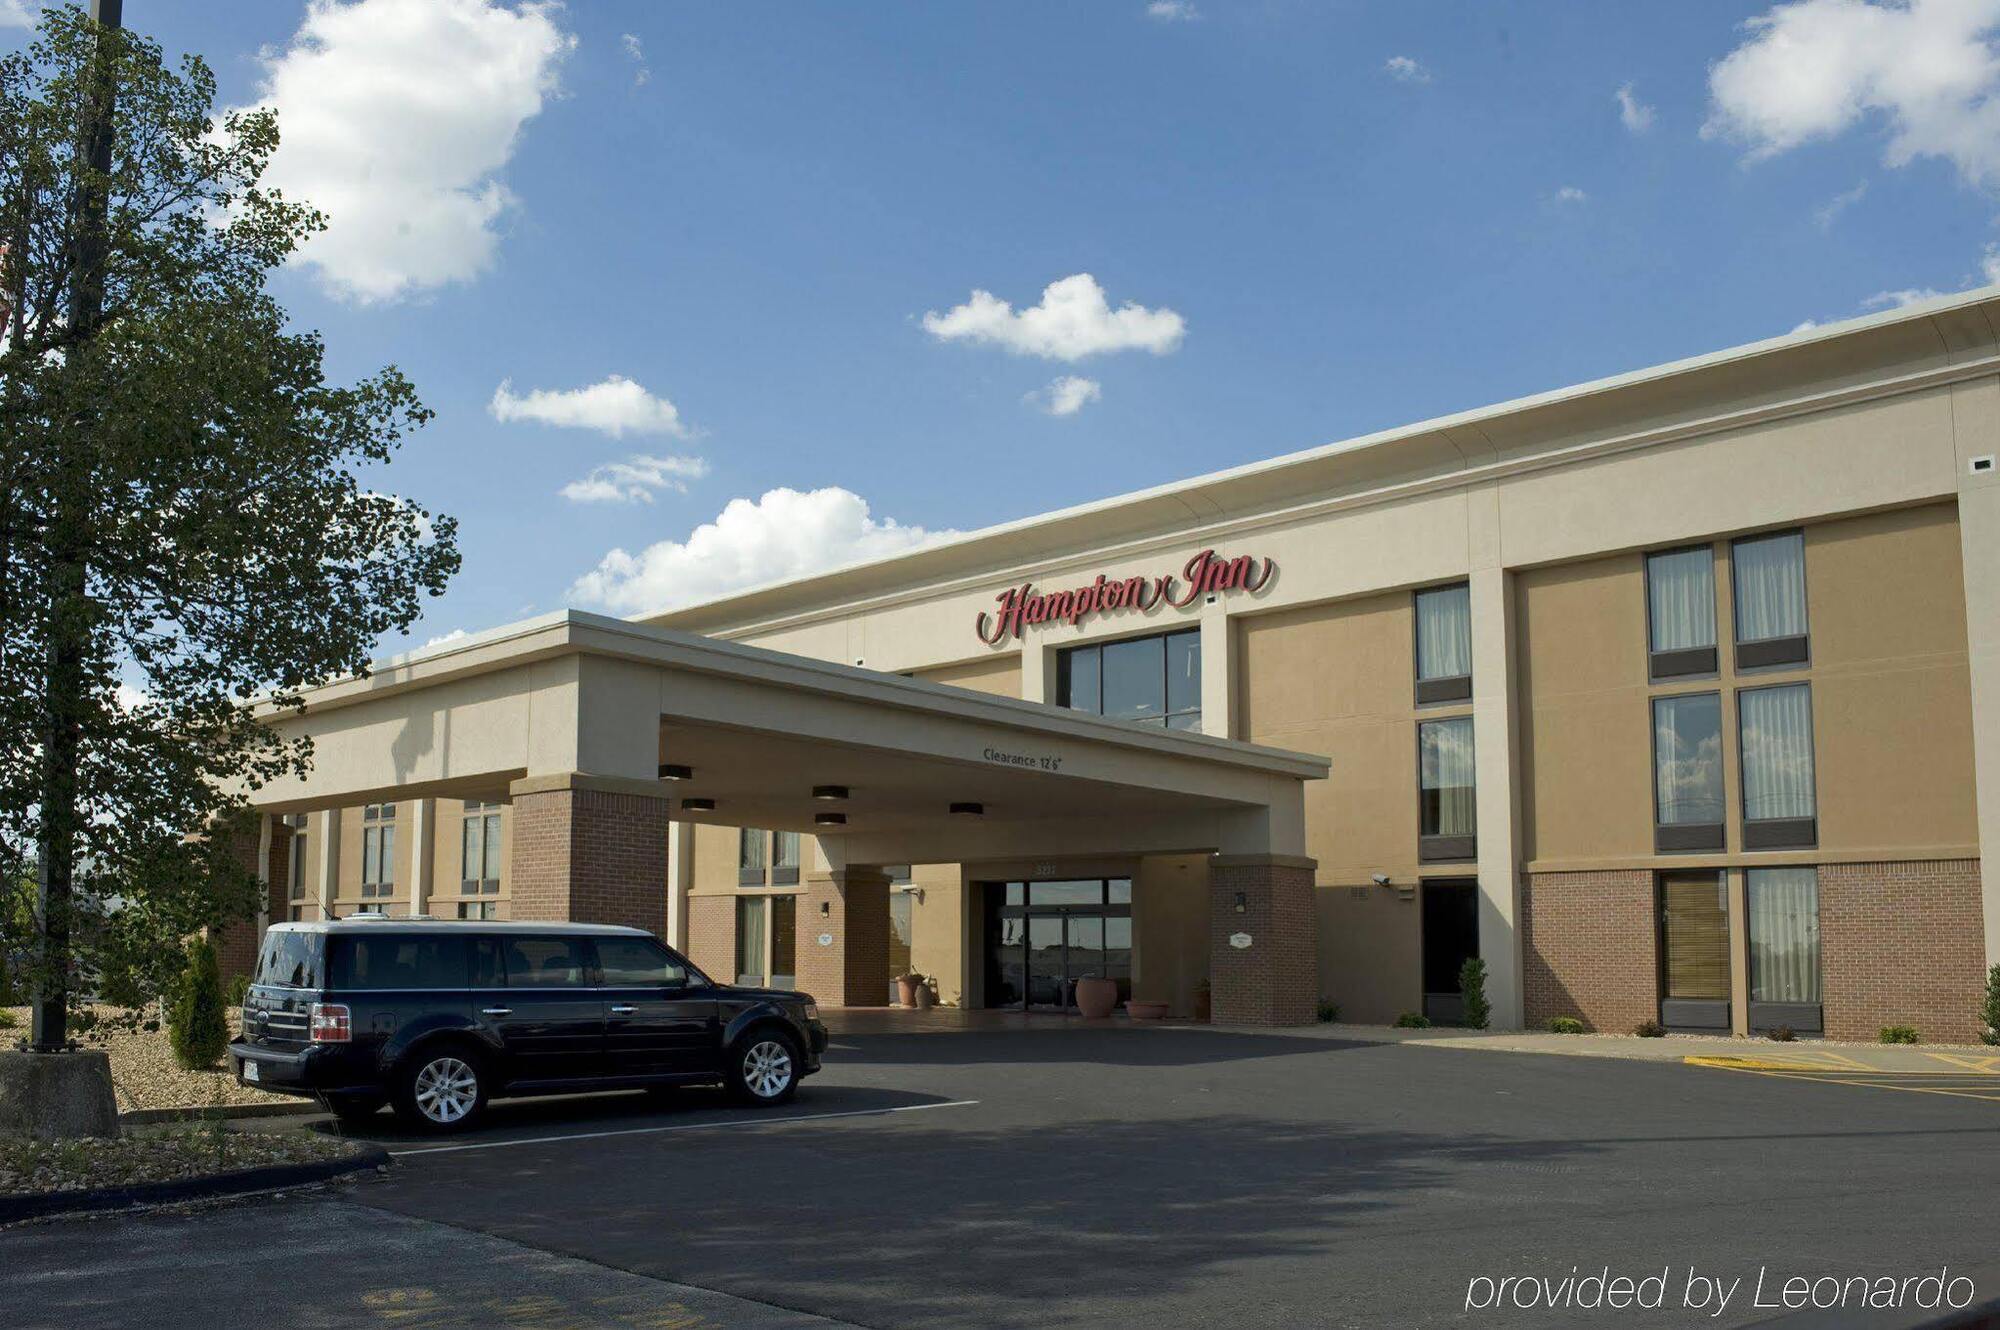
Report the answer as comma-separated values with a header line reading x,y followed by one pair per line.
x,y
329,1023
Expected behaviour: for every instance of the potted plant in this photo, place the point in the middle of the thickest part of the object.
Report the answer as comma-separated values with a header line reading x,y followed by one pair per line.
x,y
1140,1010
1096,997
906,988
1204,1002
926,994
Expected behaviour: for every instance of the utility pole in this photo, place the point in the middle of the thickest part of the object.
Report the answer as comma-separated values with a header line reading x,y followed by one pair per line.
x,y
69,615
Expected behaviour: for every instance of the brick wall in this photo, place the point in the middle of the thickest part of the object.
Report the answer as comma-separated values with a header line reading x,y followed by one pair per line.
x,y
1275,980
1902,944
236,943
711,936
590,856
854,970
1588,949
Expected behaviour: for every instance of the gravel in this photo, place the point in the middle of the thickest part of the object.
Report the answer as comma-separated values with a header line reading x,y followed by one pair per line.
x,y
163,1154
145,1075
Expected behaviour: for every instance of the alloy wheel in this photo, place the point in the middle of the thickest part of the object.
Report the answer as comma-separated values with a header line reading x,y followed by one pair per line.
x,y
446,1090
767,1069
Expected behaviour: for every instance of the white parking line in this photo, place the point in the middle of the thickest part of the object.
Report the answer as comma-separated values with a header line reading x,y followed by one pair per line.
x,y
752,1121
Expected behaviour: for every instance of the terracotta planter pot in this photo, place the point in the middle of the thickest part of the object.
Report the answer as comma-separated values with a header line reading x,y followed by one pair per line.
x,y
1096,998
1146,1011
906,989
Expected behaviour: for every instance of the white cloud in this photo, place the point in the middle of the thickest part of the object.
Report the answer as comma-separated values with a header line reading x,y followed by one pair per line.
x,y
1571,194
617,406
1909,295
1073,321
1805,325
1634,114
443,639
636,479
1405,70
635,49
1829,212
395,118
17,14
1172,11
1814,69
1989,267
785,534
1065,396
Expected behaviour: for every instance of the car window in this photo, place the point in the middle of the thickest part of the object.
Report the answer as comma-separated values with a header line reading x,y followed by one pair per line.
x,y
546,962
488,971
633,962
290,959
412,960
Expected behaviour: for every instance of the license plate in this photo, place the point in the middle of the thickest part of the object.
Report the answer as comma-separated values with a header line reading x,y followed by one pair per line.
x,y
249,1070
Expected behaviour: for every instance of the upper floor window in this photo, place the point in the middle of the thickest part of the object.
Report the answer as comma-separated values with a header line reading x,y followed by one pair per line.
x,y
1152,680
1446,790
1680,612
1444,644
479,850
378,850
1779,808
784,857
751,856
1770,583
1687,772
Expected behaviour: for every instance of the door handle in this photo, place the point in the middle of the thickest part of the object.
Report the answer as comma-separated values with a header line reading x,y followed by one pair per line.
x,y
496,1011
622,1009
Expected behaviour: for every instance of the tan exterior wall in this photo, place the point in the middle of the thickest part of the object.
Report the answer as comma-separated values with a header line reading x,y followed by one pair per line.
x,y
939,937
997,674
1370,951
1170,931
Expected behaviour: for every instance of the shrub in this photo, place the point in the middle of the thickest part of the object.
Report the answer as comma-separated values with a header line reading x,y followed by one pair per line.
x,y
1329,1010
1989,1011
1650,1030
239,988
1899,1034
1565,1025
8,998
1783,1034
196,1029
1472,988
8,1020
1411,1020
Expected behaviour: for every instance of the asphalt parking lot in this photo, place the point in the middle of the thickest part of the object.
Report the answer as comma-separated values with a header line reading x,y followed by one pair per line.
x,y
1068,1176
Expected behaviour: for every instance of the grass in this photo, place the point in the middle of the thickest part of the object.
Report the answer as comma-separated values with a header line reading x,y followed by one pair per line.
x,y
170,1153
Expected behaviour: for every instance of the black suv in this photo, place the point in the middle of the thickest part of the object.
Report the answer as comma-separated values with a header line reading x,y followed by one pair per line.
x,y
436,1017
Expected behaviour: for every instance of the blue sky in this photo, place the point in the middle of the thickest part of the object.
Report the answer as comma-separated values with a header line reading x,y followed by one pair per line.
x,y
1335,217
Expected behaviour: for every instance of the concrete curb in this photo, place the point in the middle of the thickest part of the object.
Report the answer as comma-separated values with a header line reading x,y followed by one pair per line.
x,y
14,1209
136,1117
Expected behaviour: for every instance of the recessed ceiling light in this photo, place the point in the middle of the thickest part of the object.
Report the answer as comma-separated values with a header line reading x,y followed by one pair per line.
x,y
829,791
830,819
675,771
697,805
966,808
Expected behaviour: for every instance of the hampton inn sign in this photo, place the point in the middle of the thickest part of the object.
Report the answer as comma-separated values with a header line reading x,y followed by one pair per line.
x,y
1207,573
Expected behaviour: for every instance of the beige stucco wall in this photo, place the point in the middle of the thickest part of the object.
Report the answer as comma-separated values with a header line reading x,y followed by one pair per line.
x,y
1170,930
999,674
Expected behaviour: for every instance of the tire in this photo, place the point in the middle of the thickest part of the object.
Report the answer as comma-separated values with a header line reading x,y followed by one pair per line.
x,y
353,1110
763,1068
441,1088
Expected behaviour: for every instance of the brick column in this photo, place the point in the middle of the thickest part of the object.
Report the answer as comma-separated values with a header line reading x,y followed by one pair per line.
x,y
237,941
1274,980
711,936
850,908
589,849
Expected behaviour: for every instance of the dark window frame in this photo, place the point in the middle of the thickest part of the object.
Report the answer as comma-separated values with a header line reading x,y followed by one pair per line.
x,y
375,818
1684,837
1681,662
1705,1015
786,875
1777,833
1770,653
1438,849
488,882
1165,720
1450,688
747,876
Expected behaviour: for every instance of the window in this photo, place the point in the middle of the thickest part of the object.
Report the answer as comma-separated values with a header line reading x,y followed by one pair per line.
x,y
479,850
410,961
631,962
750,856
1770,581
752,913
290,959
546,962
1694,948
1687,772
1445,790
479,909
296,871
1680,612
1779,810
784,969
784,858
1784,948
897,872
1151,680
378,850
1444,644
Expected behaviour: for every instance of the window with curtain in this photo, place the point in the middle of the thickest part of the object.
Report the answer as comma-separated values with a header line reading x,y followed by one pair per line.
x,y
1784,935
752,912
1444,644
1694,913
1446,788
1769,576
479,850
751,850
1776,729
296,874
1680,611
784,857
378,850
1687,772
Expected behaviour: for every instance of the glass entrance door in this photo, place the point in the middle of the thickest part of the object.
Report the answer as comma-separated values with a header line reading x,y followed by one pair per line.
x,y
1041,937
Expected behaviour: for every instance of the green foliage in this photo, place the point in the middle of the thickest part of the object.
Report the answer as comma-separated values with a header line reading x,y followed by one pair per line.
x,y
1781,1034
8,1020
1989,1011
1898,1034
239,988
1650,1030
8,997
1411,1020
197,1029
1565,1025
186,502
1329,1011
1472,988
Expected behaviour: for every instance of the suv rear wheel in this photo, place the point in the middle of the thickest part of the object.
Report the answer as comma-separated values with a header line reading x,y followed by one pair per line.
x,y
441,1088
764,1067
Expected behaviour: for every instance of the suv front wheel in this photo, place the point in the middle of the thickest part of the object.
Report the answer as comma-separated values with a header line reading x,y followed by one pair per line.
x,y
764,1068
441,1089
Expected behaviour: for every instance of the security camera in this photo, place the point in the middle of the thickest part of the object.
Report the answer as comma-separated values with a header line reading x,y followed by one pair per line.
x,y
1381,879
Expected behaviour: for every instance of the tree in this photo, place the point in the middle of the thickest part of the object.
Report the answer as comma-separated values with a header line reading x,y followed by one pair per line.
x,y
1989,1010
197,1028
1472,989
183,520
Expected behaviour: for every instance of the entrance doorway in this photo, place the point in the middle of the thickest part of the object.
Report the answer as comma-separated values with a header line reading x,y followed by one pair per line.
x,y
1041,937
1451,938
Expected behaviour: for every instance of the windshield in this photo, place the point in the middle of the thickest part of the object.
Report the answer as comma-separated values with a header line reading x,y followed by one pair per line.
x,y
290,959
